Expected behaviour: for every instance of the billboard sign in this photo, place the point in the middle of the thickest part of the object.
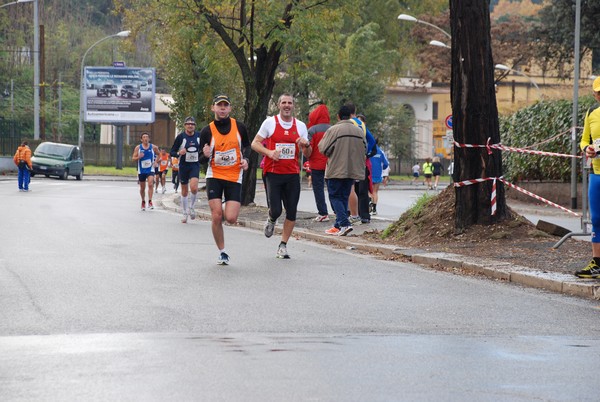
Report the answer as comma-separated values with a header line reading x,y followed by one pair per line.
x,y
119,95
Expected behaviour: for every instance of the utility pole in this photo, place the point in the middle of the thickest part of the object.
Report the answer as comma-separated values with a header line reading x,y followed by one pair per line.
x,y
42,84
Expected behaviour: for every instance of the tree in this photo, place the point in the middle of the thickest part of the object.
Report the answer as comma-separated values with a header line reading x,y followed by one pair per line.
x,y
511,44
556,33
475,115
254,35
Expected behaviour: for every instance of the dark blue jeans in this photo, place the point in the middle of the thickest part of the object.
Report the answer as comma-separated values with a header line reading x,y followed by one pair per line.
x,y
318,184
339,191
23,178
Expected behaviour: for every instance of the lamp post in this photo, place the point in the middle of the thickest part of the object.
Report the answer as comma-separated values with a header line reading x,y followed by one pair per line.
x,y
506,68
410,18
121,34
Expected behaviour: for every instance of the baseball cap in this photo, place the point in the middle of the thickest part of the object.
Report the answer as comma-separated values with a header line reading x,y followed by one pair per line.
x,y
596,85
221,98
189,119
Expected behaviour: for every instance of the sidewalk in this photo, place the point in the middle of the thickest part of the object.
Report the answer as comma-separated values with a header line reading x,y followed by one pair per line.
x,y
254,217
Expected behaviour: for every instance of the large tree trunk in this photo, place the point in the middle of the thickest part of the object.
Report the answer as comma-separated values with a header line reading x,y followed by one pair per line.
x,y
474,114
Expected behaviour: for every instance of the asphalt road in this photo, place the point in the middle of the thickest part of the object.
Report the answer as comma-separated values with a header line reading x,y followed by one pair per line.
x,y
100,301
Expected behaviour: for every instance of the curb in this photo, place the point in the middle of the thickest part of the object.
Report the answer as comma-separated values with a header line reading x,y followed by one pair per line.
x,y
497,270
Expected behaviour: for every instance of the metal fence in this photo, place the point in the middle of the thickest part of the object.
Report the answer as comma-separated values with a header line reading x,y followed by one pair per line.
x,y
12,133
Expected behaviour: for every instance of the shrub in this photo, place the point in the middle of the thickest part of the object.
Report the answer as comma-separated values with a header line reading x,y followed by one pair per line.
x,y
545,126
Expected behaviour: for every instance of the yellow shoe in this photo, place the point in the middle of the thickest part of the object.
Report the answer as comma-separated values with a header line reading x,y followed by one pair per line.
x,y
591,271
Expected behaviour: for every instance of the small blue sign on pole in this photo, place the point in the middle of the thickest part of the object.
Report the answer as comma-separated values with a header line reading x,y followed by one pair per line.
x,y
449,122
118,64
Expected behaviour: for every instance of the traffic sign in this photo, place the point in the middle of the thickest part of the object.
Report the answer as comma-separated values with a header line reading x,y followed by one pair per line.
x,y
449,122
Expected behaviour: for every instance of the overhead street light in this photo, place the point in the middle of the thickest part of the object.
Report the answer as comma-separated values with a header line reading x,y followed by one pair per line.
x,y
506,68
410,18
16,2
122,34
439,44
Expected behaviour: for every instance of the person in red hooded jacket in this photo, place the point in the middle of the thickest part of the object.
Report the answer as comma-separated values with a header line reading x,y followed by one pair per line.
x,y
318,123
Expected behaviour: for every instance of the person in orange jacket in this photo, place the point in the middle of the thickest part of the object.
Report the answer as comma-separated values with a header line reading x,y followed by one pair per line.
x,y
175,172
22,159
162,161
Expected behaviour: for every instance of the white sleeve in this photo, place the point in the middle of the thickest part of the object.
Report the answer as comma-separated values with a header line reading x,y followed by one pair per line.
x,y
267,127
302,130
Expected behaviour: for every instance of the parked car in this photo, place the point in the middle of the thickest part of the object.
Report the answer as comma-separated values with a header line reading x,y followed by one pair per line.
x,y
130,91
107,90
53,159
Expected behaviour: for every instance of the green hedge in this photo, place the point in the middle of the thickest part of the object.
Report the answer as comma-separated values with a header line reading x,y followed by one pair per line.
x,y
530,128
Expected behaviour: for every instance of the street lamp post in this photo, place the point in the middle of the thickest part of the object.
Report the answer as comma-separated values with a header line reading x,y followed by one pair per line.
x,y
406,17
36,72
506,68
121,34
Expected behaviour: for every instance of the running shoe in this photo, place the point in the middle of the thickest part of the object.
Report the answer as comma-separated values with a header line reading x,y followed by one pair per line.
x,y
184,218
282,252
354,219
150,205
143,205
332,231
269,227
192,213
164,190
591,271
344,230
322,218
223,259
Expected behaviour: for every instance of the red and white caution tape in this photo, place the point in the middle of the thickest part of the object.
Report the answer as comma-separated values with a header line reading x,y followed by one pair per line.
x,y
501,147
537,197
522,190
494,197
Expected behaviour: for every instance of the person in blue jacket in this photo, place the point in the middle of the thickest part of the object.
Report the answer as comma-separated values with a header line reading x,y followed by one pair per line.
x,y
379,163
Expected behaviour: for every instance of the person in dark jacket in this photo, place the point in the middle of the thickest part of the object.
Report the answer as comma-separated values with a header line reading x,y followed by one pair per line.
x,y
344,145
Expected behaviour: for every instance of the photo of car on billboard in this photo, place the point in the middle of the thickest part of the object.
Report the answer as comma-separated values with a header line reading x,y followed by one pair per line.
x,y
119,95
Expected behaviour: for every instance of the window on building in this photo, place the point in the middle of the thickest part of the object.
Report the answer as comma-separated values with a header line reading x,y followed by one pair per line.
x,y
435,110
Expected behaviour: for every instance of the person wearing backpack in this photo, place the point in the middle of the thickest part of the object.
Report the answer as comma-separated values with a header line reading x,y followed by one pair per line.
x,y
22,159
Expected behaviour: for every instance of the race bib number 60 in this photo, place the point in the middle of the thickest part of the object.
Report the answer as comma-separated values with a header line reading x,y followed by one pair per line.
x,y
225,158
286,150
